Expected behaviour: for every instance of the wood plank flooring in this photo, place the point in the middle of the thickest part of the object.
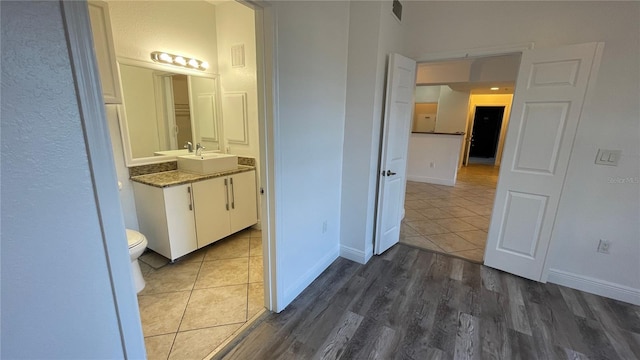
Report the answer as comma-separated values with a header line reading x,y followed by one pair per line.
x,y
414,304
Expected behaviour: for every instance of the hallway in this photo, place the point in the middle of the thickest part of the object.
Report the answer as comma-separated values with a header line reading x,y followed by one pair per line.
x,y
451,220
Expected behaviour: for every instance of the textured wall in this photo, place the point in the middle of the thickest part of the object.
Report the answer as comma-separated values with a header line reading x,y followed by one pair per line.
x,y
56,292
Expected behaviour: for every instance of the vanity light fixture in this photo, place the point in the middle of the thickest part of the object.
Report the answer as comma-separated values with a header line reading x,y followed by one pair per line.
x,y
178,60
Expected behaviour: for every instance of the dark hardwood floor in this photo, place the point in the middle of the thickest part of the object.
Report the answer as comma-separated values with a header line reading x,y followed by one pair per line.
x,y
413,304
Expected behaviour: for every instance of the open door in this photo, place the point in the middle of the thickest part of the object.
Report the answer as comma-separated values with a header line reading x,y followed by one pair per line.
x,y
546,109
401,82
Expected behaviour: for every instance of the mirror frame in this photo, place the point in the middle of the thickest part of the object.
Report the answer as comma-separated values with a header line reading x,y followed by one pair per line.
x,y
122,118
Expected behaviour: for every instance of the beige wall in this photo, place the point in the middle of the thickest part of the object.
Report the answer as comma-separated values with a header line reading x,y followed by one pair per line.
x,y
178,27
452,110
235,25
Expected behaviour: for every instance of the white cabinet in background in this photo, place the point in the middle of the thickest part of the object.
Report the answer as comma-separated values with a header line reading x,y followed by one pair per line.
x,y
177,220
105,51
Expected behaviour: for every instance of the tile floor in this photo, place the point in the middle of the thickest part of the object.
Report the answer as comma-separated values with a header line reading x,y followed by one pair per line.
x,y
190,307
451,219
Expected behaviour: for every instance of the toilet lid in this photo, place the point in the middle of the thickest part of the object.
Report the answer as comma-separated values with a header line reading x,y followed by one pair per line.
x,y
134,238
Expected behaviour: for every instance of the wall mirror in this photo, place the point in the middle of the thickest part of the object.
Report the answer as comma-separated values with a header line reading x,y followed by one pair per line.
x,y
163,109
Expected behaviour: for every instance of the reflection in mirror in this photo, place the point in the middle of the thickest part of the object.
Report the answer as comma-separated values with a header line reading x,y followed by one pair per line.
x,y
164,110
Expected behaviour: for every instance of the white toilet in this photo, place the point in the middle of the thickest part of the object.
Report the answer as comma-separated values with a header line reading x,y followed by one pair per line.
x,y
137,244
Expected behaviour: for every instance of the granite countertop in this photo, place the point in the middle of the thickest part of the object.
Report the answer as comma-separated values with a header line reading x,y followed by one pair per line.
x,y
437,133
177,177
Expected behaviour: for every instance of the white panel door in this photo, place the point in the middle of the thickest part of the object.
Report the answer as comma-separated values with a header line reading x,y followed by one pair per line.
x,y
401,82
546,109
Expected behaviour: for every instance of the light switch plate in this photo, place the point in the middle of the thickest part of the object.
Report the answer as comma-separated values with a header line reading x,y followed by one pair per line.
x,y
608,157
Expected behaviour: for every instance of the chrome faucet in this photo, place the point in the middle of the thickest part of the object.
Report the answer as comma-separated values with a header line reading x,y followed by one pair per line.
x,y
189,146
199,149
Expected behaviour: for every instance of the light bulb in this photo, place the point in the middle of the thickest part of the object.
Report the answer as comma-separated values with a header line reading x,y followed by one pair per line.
x,y
165,57
180,60
194,63
204,65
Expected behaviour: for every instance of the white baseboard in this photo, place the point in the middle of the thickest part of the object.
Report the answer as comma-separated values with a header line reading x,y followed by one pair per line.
x,y
352,254
431,180
291,292
595,286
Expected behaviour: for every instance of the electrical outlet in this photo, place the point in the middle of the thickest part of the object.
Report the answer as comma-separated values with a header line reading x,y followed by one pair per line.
x,y
603,246
324,226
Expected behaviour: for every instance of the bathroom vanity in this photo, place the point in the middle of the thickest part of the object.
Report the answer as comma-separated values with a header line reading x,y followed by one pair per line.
x,y
180,212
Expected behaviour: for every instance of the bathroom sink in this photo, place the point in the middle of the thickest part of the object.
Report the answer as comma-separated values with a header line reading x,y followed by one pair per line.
x,y
207,163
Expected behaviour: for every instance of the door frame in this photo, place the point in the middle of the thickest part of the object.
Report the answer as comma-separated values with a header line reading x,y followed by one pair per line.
x,y
512,49
481,52
91,103
503,131
266,61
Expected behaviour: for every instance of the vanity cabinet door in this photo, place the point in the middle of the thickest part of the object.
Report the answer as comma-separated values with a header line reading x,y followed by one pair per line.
x,y
242,192
165,217
211,200
180,219
105,51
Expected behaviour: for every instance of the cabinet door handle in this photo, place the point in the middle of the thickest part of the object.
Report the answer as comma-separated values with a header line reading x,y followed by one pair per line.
x,y
226,193
190,198
233,195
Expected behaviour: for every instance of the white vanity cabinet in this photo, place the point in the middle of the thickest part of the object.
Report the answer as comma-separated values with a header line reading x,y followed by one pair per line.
x,y
224,206
105,51
177,220
165,216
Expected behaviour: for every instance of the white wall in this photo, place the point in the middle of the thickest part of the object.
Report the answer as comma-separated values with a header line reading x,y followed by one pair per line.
x,y
235,24
57,296
373,34
590,207
426,94
177,27
309,125
356,228
127,200
452,110
433,158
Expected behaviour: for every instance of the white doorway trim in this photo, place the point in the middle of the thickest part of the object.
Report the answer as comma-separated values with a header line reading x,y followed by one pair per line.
x,y
476,52
103,175
85,72
265,25
469,129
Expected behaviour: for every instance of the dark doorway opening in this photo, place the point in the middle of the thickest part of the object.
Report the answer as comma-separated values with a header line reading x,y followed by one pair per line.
x,y
485,135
